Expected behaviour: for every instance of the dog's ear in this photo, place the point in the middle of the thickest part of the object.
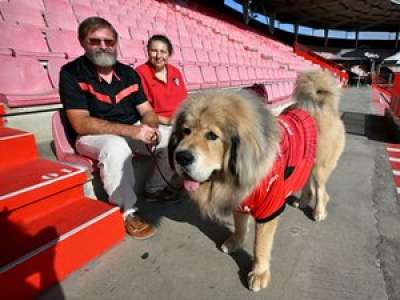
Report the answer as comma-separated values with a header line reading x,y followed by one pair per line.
x,y
233,152
175,138
172,144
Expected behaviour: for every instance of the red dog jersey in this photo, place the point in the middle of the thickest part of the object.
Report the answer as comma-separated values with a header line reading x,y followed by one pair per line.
x,y
291,169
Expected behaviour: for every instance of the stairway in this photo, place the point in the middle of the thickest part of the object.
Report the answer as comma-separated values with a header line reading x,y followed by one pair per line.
x,y
48,228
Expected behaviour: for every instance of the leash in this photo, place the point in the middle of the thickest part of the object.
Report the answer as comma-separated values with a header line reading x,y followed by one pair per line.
x,y
152,151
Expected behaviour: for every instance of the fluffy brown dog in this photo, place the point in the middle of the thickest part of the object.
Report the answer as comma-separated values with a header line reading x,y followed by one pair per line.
x,y
236,157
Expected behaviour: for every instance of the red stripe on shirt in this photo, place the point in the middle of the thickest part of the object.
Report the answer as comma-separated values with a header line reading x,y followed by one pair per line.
x,y
126,92
89,88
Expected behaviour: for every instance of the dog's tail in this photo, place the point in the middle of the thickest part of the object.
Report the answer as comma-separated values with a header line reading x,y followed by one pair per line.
x,y
316,91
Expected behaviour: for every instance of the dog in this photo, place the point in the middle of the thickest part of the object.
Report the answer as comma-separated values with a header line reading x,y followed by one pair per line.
x,y
236,157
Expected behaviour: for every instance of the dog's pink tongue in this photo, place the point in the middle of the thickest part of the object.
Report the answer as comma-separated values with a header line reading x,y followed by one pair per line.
x,y
191,185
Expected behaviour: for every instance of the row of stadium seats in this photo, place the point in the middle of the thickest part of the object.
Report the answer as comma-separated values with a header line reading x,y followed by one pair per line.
x,y
210,52
26,82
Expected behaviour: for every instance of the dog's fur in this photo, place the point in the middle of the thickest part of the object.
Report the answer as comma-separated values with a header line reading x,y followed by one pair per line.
x,y
224,143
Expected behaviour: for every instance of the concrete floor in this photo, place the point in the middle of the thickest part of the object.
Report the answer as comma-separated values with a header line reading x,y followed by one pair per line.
x,y
354,254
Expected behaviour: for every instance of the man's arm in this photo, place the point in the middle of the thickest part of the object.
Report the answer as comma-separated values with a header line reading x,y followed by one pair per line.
x,y
84,124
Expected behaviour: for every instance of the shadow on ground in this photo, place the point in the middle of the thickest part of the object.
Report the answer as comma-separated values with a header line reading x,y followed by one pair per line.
x,y
187,212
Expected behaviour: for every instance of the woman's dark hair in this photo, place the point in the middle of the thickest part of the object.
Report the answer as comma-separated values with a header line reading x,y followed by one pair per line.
x,y
94,23
163,39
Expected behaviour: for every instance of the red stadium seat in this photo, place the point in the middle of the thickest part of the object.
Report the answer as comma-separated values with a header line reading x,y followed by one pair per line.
x,y
63,148
61,19
53,68
188,55
21,14
176,57
64,42
194,80
214,58
57,5
131,50
202,57
82,11
24,82
36,4
243,75
209,76
222,76
25,41
234,75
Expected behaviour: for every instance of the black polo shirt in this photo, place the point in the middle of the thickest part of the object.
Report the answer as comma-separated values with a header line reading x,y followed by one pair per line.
x,y
82,88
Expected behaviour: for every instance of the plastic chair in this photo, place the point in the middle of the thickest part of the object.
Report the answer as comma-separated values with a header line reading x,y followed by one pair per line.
x,y
194,80
64,42
24,82
25,41
21,14
63,148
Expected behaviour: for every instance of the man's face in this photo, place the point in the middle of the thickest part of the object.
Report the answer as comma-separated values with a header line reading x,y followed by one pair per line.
x,y
101,47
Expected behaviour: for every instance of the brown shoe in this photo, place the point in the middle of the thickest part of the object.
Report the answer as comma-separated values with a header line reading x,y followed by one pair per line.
x,y
137,228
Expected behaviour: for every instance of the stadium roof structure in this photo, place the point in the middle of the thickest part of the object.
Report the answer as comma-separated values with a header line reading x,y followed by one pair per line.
x,y
349,15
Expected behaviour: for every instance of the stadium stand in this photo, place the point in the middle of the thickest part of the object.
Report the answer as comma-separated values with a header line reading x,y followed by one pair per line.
x,y
38,38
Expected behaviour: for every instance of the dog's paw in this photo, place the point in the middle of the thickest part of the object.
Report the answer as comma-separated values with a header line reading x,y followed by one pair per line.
x,y
320,215
232,244
258,281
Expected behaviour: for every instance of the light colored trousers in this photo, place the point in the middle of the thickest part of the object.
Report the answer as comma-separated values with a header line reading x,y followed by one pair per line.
x,y
114,155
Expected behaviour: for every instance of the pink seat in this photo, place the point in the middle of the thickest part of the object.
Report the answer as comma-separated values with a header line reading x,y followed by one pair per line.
x,y
63,148
196,42
185,41
210,77
24,82
64,42
131,50
25,41
36,4
58,6
21,14
214,58
59,19
82,11
176,58
252,75
202,57
194,80
234,75
188,55
222,76
53,68
243,75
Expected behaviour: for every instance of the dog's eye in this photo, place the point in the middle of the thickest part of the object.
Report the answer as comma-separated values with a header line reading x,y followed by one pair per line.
x,y
211,136
186,131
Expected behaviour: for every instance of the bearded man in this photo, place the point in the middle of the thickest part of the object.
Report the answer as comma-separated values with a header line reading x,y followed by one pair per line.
x,y
104,102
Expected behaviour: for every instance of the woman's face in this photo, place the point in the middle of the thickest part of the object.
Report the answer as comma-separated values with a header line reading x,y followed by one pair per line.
x,y
158,54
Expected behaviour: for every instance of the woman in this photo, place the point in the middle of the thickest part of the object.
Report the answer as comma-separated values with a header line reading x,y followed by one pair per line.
x,y
165,90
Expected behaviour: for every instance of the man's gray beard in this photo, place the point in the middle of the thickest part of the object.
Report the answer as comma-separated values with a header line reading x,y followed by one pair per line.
x,y
102,59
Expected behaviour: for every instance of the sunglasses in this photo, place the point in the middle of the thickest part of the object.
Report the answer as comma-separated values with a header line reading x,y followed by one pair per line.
x,y
97,42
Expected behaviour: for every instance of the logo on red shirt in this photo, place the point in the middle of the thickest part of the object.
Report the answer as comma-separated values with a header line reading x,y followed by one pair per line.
x,y
176,81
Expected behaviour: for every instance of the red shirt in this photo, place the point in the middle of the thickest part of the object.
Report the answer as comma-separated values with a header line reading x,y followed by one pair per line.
x,y
297,152
163,97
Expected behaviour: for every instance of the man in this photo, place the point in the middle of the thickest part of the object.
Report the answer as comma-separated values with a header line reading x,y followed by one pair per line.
x,y
105,105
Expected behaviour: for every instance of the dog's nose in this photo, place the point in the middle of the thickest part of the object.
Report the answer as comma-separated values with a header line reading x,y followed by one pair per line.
x,y
184,158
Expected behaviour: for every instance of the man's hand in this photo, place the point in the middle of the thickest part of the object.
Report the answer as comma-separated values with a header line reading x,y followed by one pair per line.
x,y
146,134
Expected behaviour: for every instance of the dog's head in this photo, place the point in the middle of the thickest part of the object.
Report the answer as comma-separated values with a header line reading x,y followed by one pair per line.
x,y
223,137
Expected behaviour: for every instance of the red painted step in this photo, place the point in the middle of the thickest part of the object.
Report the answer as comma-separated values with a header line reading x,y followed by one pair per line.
x,y
16,146
39,253
2,112
30,181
